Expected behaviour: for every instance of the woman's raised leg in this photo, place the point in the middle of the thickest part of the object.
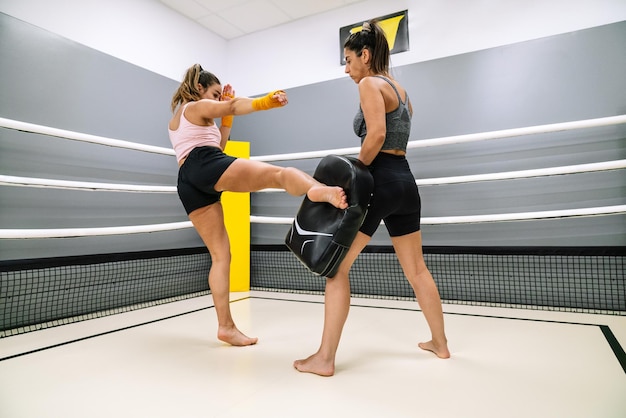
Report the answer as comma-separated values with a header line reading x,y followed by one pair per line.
x,y
250,176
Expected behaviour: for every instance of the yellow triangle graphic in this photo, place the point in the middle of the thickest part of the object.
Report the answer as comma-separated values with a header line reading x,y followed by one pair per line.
x,y
389,26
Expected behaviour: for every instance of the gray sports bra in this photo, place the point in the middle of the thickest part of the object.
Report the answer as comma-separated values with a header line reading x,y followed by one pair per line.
x,y
398,123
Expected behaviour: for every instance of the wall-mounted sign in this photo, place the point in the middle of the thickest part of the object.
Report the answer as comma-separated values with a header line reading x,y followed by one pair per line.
x,y
396,27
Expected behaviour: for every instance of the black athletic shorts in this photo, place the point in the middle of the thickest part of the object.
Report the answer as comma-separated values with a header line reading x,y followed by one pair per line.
x,y
197,177
395,199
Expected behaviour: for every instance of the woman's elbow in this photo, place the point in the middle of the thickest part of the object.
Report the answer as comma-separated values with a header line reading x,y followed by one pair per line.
x,y
378,138
232,106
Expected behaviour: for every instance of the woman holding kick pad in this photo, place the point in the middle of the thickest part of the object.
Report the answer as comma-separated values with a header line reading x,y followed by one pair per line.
x,y
383,122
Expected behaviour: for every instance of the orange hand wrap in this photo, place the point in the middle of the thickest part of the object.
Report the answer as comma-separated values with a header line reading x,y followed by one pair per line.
x,y
267,102
227,121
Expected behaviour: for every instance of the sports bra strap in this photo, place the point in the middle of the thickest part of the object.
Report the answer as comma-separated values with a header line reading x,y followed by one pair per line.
x,y
392,85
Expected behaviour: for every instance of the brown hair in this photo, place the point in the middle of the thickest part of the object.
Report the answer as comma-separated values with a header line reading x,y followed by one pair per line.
x,y
371,37
188,90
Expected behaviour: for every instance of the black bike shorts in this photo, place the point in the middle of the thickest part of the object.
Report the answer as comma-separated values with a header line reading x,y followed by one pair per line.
x,y
395,200
197,177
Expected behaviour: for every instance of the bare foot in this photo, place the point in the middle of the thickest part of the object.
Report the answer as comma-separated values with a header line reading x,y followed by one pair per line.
x,y
233,336
440,350
334,195
314,364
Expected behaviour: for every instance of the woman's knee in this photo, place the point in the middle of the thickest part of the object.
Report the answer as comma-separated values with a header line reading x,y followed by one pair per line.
x,y
286,173
223,259
339,281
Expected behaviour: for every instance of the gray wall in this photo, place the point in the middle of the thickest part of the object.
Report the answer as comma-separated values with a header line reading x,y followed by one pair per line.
x,y
52,81
49,80
562,78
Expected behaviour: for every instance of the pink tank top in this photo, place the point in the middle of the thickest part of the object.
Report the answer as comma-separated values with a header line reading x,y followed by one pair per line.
x,y
189,136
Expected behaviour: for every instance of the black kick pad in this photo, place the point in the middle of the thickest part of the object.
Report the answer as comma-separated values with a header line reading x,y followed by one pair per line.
x,y
321,234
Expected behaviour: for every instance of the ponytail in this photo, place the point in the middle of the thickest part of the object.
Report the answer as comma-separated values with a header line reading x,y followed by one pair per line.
x,y
188,89
371,37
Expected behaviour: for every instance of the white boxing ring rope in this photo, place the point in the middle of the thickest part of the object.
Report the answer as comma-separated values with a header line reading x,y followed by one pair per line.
x,y
506,175
139,229
123,230
82,185
457,139
63,134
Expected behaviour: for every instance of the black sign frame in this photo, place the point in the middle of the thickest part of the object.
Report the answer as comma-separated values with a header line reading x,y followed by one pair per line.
x,y
400,43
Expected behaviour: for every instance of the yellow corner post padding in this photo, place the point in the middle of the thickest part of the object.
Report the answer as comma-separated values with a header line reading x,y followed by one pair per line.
x,y
237,219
